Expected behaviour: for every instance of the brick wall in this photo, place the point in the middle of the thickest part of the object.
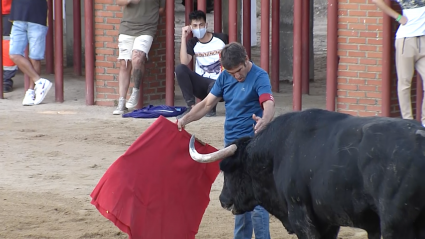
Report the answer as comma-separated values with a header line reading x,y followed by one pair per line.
x,y
360,51
107,19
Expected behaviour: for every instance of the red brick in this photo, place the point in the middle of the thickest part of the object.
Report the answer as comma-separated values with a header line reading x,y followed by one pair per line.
x,y
353,13
367,88
105,26
366,113
356,94
103,14
366,7
373,108
357,107
357,26
349,19
367,101
342,106
348,6
356,53
348,74
105,90
356,67
373,95
367,75
347,100
368,62
357,41
356,81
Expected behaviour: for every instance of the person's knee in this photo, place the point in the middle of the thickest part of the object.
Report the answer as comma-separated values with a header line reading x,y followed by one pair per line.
x,y
181,69
138,58
14,57
125,65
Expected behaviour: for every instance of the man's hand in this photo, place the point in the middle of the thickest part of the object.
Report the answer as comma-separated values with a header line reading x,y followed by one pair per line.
x,y
259,125
185,31
180,124
403,20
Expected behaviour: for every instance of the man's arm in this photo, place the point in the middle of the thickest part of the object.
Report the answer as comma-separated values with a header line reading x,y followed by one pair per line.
x,y
264,91
162,8
268,114
184,57
199,110
269,111
389,11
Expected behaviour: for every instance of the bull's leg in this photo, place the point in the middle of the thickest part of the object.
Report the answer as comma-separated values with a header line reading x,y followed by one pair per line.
x,y
397,230
302,222
330,233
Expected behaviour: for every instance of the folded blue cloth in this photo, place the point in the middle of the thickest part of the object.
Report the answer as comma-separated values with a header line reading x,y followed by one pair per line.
x,y
151,111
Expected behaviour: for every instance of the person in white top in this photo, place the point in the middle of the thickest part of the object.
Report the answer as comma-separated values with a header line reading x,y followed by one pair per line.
x,y
205,47
410,49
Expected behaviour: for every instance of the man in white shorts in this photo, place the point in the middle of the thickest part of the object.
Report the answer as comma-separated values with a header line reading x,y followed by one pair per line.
x,y
137,30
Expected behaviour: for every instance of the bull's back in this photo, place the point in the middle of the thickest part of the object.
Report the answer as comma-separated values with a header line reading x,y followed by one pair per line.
x,y
343,165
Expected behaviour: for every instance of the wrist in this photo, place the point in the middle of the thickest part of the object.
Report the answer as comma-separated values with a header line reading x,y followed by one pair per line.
x,y
399,18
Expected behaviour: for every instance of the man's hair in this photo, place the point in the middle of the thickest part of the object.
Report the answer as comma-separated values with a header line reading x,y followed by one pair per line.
x,y
233,55
197,15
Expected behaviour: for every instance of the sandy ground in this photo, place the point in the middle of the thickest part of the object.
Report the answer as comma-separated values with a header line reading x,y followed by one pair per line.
x,y
52,156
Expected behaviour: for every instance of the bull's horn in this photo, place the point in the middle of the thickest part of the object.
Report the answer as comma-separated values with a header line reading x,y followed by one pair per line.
x,y
211,157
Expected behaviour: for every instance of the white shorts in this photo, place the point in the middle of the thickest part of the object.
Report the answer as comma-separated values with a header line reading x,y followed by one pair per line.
x,y
126,45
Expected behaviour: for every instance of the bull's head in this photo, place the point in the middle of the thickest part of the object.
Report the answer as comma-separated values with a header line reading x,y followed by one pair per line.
x,y
237,194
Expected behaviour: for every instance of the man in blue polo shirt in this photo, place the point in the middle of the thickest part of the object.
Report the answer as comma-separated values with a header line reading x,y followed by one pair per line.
x,y
29,19
246,91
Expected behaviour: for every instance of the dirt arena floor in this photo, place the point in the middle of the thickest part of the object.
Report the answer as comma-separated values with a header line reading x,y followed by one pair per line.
x,y
52,156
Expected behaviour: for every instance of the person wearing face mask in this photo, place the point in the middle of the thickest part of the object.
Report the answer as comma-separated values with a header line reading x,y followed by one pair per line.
x,y
206,47
247,93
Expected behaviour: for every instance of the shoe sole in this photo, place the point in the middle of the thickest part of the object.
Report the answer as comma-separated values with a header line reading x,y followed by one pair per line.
x,y
28,104
45,93
130,106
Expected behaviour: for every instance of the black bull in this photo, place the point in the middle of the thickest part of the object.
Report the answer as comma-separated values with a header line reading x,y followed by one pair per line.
x,y
317,170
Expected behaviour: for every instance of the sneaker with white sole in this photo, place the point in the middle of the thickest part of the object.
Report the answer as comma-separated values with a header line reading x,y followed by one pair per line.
x,y
29,98
120,108
41,89
134,99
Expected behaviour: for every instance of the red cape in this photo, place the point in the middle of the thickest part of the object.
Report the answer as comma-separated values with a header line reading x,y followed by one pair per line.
x,y
155,190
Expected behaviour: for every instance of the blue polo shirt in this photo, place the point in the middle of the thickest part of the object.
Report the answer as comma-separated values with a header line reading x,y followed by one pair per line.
x,y
242,99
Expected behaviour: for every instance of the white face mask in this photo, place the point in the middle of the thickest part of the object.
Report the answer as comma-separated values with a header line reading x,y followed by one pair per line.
x,y
199,33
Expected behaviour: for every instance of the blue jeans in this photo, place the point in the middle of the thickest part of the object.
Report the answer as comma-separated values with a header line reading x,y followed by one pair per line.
x,y
258,220
28,32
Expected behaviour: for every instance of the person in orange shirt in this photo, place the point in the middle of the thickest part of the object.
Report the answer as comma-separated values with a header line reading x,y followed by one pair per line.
x,y
9,67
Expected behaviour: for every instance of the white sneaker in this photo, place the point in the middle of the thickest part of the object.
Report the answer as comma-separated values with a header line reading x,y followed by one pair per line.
x,y
29,98
120,108
41,88
134,99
